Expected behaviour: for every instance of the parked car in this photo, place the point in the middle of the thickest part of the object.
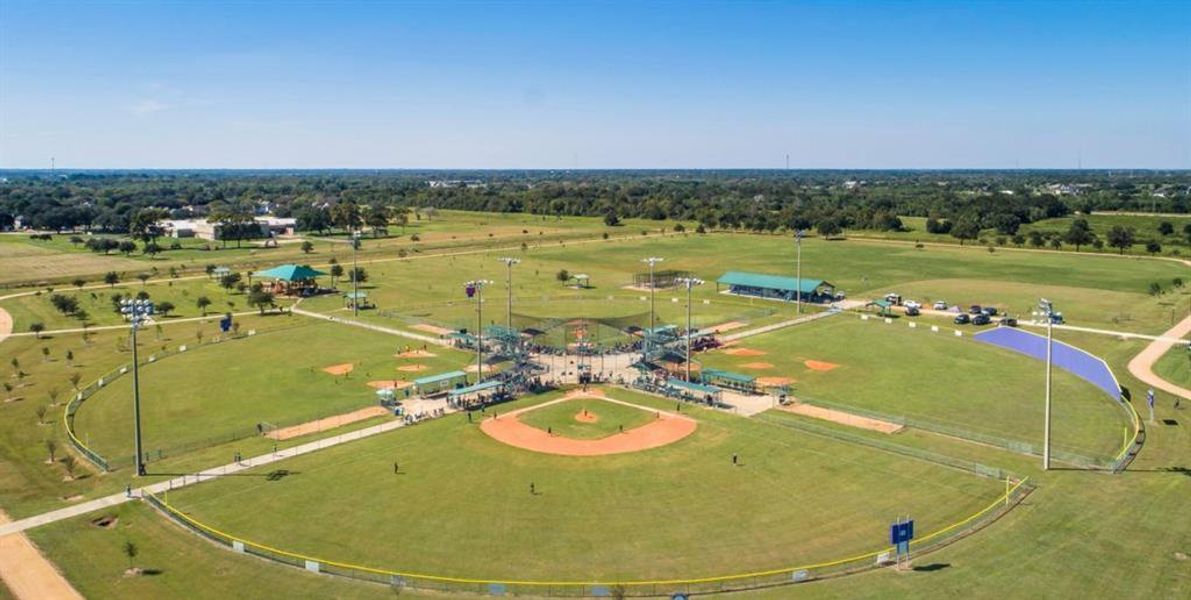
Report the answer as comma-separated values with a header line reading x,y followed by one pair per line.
x,y
840,296
1057,318
1007,322
940,305
912,311
989,310
962,319
893,298
911,304
974,309
981,319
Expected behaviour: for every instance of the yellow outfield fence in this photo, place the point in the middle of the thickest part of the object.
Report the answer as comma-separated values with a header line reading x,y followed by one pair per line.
x,y
564,588
1131,445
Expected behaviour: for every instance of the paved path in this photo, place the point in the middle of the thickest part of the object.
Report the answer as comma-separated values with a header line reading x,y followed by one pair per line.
x,y
1142,365
776,326
5,324
125,325
409,334
185,480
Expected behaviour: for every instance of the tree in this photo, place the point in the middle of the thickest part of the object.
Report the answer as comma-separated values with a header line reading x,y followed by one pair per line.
x,y
358,275
75,240
70,464
127,247
313,219
70,358
144,277
37,327
563,275
378,220
152,249
829,227
1037,240
209,269
1165,228
67,305
261,299
165,308
145,224
1018,240
1079,234
51,447
202,302
346,215
611,219
965,229
336,273
74,379
229,281
40,412
1056,243
1153,247
307,247
79,282
130,550
1121,238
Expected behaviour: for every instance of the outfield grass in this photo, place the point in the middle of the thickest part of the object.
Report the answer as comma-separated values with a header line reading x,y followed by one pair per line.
x,y
933,377
604,418
208,394
1175,366
684,510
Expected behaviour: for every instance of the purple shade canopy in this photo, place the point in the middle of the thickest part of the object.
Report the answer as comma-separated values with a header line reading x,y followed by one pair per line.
x,y
1088,367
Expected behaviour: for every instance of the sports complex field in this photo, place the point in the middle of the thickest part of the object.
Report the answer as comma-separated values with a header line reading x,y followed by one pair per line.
x,y
740,492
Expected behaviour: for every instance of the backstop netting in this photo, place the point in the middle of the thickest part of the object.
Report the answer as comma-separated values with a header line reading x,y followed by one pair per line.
x,y
661,279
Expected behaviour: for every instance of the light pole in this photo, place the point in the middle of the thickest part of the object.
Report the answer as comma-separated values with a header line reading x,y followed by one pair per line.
x,y
652,260
476,288
509,262
689,282
355,274
798,269
137,312
1046,308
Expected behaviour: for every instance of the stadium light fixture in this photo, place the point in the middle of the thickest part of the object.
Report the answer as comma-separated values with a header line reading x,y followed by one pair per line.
x,y
137,312
689,282
475,288
651,261
1046,309
509,264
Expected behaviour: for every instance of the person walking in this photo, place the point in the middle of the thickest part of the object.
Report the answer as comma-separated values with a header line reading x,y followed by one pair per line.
x,y
396,468
532,489
735,459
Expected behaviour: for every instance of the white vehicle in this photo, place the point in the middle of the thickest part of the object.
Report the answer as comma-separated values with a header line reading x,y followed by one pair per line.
x,y
893,298
940,305
912,304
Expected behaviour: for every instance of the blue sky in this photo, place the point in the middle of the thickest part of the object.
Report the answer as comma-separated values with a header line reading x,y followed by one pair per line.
x,y
607,85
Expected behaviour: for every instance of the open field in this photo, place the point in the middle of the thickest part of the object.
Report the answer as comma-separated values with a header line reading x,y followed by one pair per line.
x,y
898,371
195,398
1175,366
586,510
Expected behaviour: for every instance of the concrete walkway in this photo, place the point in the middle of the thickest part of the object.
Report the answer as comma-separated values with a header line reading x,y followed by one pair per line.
x,y
190,479
408,334
1142,365
777,326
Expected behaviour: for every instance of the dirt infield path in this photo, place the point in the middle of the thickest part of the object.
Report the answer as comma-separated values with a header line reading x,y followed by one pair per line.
x,y
28,574
331,422
843,418
5,324
666,429
1142,365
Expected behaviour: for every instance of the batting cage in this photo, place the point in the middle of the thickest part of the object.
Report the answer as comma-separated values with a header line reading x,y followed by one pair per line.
x,y
661,279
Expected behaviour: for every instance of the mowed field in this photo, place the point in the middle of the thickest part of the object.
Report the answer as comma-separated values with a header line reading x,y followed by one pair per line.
x,y
682,510
933,377
1175,366
586,418
206,395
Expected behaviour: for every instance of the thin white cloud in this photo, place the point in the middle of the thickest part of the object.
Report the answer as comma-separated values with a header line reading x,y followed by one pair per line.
x,y
148,106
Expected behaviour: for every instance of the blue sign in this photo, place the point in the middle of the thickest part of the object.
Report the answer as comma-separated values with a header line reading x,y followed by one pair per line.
x,y
679,596
901,532
471,291
225,324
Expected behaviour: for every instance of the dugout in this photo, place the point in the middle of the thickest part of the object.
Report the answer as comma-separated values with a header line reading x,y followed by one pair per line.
x,y
437,384
776,287
694,391
729,380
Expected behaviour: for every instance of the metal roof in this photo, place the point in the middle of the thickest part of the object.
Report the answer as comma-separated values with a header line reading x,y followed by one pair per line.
x,y
773,282
479,387
290,273
695,387
728,375
429,379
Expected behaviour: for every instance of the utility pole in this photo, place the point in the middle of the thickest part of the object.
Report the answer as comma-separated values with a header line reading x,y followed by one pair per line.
x,y
509,262
689,282
798,269
1047,310
137,312
355,274
476,287
652,260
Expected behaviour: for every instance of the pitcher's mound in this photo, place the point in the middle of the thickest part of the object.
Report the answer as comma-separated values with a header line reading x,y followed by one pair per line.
x,y
758,365
818,365
586,416
744,352
342,369
412,368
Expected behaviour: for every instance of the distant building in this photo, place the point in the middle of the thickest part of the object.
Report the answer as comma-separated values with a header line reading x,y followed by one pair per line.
x,y
203,229
776,287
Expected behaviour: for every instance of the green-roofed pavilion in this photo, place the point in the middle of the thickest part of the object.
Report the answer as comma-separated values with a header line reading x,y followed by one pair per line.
x,y
290,273
776,286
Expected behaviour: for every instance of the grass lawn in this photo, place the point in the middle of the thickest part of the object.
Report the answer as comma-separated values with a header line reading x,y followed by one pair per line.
x,y
1175,366
586,418
206,395
684,510
934,377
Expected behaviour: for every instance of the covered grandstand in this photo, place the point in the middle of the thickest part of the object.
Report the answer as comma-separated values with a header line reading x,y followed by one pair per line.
x,y
777,287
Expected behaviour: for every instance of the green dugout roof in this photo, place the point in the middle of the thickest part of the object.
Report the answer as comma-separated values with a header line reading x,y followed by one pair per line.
x,y
694,387
881,303
429,379
772,282
726,375
479,387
